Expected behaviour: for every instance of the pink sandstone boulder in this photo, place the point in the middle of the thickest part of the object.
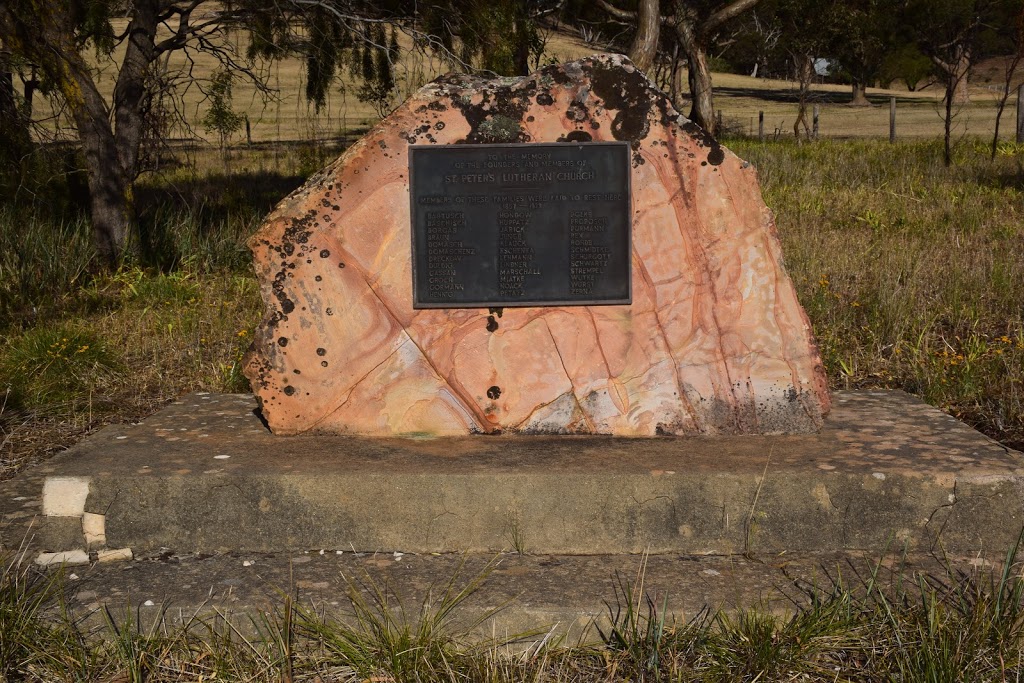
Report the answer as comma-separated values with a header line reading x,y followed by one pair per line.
x,y
714,341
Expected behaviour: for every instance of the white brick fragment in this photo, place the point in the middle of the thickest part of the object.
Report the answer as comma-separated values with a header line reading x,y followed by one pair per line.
x,y
94,529
66,557
65,496
115,555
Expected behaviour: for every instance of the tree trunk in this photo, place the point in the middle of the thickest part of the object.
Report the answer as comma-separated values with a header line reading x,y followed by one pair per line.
x,y
645,43
15,140
860,95
805,73
675,77
110,194
702,109
1004,97
31,85
962,67
947,129
130,90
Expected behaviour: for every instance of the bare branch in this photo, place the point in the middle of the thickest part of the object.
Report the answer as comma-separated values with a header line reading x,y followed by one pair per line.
x,y
621,14
627,15
723,15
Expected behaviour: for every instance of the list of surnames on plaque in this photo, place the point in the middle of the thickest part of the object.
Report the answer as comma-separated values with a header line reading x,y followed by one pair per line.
x,y
520,224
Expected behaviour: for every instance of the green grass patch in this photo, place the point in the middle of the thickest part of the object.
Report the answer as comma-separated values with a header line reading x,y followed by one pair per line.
x,y
910,272
57,366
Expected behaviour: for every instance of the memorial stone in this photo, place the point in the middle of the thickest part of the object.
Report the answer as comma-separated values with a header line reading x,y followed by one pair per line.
x,y
557,253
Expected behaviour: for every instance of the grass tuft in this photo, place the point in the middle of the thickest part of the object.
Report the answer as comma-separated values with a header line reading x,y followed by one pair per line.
x,y
949,625
60,365
26,595
385,640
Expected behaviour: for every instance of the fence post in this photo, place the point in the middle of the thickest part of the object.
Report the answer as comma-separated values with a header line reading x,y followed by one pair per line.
x,y
760,124
1020,114
814,128
892,119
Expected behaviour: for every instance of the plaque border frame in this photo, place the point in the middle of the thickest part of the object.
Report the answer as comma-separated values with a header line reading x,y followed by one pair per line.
x,y
417,305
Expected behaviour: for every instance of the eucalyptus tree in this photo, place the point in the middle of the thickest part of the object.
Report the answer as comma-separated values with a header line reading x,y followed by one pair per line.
x,y
695,26
954,35
865,33
56,36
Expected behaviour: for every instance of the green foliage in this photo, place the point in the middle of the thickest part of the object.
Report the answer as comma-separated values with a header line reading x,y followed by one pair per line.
x,y
865,33
378,88
57,365
326,41
908,64
220,118
94,23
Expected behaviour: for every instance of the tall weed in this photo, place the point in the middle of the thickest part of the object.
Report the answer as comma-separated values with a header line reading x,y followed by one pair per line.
x,y
42,261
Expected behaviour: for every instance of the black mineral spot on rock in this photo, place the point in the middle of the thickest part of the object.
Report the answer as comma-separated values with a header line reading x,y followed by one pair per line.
x,y
492,324
579,136
530,119
341,265
545,100
324,253
296,371
495,311
289,390
439,125
321,352
703,163
629,93
494,393
282,341
716,155
576,112
318,278
287,306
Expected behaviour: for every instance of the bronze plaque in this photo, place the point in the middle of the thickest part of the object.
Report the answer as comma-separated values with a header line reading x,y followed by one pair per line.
x,y
520,224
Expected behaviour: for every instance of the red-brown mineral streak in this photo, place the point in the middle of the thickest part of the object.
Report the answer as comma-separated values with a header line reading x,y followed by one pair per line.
x,y
714,341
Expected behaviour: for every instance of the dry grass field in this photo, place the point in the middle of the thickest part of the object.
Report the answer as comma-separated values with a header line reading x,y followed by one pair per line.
x,y
284,115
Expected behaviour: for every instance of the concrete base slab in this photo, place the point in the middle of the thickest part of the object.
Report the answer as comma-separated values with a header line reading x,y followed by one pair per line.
x,y
565,595
205,475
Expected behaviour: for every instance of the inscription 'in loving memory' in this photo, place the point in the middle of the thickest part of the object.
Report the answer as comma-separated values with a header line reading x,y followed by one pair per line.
x,y
517,225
